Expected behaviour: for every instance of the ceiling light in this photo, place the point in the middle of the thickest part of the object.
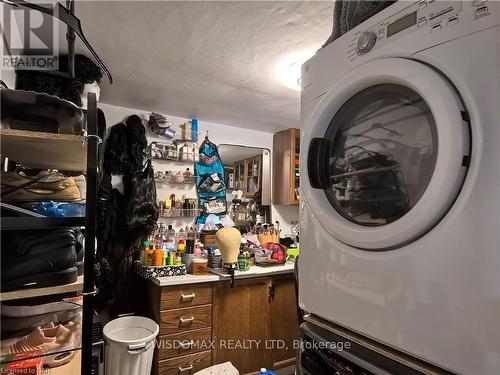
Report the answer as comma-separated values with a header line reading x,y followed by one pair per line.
x,y
288,68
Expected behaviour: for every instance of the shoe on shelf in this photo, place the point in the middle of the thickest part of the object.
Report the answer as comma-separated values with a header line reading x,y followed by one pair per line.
x,y
38,259
56,341
18,187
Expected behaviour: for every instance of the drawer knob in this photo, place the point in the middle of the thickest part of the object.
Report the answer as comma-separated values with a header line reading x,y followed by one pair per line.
x,y
186,297
184,369
187,320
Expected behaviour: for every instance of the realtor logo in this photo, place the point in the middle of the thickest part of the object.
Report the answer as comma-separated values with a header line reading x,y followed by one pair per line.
x,y
30,39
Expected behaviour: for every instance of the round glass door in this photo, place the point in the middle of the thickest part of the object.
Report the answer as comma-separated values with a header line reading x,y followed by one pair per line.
x,y
383,154
387,154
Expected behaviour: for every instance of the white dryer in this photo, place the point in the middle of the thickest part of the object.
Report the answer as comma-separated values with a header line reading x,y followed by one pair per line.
x,y
400,182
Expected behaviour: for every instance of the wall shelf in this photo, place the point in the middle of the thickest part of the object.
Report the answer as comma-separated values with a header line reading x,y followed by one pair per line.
x,y
171,180
77,286
179,212
16,223
45,150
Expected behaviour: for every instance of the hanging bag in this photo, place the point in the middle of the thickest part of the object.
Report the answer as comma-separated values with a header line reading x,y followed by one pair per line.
x,y
210,186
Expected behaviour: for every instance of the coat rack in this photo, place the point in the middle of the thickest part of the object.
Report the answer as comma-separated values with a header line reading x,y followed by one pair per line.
x,y
74,26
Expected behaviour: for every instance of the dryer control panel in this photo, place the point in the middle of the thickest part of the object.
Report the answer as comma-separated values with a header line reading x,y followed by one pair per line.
x,y
433,15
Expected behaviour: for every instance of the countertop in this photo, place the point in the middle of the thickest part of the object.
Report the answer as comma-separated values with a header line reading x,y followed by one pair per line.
x,y
218,275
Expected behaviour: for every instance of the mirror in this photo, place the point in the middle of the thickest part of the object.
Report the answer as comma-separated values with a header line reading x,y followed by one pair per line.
x,y
248,183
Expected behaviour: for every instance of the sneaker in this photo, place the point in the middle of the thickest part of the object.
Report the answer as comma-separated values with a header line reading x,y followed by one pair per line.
x,y
53,186
56,341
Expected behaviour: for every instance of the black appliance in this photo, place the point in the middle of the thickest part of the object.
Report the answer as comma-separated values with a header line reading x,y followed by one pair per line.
x,y
329,352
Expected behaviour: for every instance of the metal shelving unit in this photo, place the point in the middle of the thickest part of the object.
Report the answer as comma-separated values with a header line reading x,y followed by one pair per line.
x,y
19,223
65,152
77,286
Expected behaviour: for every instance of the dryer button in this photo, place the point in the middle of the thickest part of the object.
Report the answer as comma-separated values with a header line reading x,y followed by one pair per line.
x,y
365,43
436,28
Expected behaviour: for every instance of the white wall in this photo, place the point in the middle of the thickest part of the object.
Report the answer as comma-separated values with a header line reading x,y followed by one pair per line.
x,y
218,134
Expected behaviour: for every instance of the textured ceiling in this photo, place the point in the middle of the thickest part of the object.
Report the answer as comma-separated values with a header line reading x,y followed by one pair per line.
x,y
212,60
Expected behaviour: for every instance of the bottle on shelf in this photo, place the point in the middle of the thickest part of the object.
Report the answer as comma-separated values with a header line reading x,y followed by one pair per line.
x,y
197,250
149,253
181,247
187,131
145,253
170,238
157,257
185,152
190,240
194,130
181,236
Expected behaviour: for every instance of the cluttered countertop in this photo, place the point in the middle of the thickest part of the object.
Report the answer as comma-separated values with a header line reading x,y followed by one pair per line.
x,y
218,274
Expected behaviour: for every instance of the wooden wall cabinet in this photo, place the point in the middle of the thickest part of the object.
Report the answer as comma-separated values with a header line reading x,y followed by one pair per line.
x,y
286,151
253,325
248,175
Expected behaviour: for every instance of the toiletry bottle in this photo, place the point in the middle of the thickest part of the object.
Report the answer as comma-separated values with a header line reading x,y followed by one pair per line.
x,y
181,236
165,254
185,152
185,207
197,250
145,253
181,247
191,237
187,175
187,131
158,257
170,238
194,130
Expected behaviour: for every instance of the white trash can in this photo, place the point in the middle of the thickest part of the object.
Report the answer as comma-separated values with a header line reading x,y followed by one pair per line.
x,y
130,343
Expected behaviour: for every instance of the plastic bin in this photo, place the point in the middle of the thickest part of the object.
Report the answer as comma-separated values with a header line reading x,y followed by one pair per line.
x,y
130,343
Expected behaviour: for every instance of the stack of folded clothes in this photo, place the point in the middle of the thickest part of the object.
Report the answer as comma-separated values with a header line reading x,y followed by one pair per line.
x,y
53,330
41,258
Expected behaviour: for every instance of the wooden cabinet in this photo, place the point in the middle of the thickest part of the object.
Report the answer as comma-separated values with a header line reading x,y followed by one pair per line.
x,y
260,314
286,151
184,314
253,325
284,322
242,313
248,175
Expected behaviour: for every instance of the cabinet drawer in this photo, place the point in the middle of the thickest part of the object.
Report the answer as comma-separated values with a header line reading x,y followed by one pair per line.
x,y
185,296
180,344
180,320
185,365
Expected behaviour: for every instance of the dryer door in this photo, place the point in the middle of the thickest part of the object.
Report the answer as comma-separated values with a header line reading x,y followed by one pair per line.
x,y
387,151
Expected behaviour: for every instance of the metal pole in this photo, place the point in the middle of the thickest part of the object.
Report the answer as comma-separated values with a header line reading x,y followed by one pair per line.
x,y
70,37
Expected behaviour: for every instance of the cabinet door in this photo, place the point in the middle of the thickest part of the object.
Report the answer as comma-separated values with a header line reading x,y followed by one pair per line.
x,y
285,324
286,150
241,325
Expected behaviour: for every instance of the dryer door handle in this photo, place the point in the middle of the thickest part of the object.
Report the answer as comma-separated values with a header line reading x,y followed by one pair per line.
x,y
317,163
